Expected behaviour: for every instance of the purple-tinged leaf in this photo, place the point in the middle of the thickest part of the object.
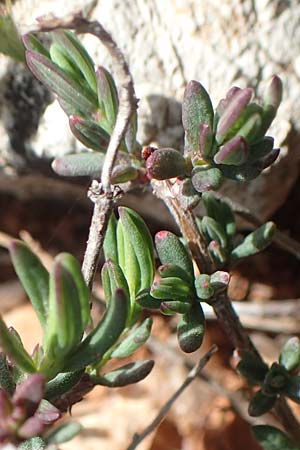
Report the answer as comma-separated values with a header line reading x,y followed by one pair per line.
x,y
107,96
234,152
29,393
165,163
206,140
74,96
233,111
31,428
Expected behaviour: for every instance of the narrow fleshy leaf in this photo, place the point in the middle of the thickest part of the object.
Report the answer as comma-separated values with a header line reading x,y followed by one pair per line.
x,y
196,108
173,270
145,300
245,172
48,413
165,163
13,348
89,133
31,427
110,246
71,264
62,383
251,128
225,101
261,404
203,287
205,140
113,278
59,56
77,54
104,335
33,276
190,329
29,393
213,231
31,42
10,41
271,102
221,212
130,136
107,96
233,152
128,374
134,340
74,96
172,251
232,112
206,178
292,388
290,354
170,308
87,164
64,433
252,367
271,438
136,232
217,254
171,288
122,174
261,149
6,380
255,242
64,324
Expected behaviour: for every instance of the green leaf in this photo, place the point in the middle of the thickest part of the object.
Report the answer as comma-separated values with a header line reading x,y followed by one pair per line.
x,y
213,231
61,384
145,300
71,264
31,42
292,388
172,251
75,99
113,278
173,270
260,404
64,433
110,245
290,354
106,333
33,276
196,109
134,340
171,307
206,178
171,288
270,438
12,347
255,242
89,133
85,164
75,52
190,329
220,211
36,443
136,232
128,374
10,42
64,324
6,380
107,96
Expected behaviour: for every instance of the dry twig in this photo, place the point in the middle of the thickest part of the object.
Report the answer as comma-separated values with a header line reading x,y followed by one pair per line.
x,y
194,373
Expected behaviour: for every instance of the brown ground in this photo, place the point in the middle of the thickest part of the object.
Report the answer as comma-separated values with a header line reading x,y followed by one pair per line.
x,y
204,418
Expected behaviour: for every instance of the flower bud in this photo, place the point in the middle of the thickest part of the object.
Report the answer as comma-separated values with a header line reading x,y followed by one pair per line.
x,y
165,163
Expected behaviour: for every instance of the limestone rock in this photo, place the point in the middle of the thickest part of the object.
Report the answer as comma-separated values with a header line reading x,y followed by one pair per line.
x,y
171,42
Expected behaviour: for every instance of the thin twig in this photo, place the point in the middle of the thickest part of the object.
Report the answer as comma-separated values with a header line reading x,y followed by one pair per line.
x,y
104,197
194,373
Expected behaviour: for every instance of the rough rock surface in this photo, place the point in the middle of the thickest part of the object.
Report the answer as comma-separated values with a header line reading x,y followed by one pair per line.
x,y
167,43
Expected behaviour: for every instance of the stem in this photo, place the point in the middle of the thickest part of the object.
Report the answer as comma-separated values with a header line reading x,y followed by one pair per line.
x,y
103,196
194,373
221,304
